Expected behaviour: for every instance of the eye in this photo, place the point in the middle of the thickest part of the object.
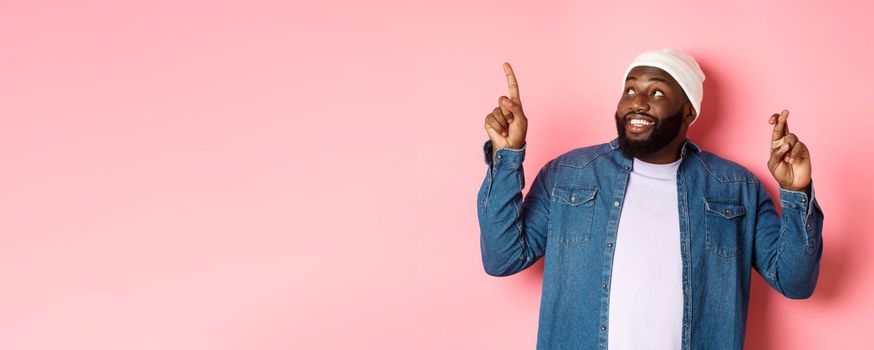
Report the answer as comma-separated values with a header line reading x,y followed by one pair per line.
x,y
629,91
658,93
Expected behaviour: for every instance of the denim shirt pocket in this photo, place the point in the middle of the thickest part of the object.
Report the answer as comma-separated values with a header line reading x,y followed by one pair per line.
x,y
722,223
573,209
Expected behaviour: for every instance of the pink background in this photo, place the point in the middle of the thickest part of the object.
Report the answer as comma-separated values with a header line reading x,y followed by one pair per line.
x,y
221,175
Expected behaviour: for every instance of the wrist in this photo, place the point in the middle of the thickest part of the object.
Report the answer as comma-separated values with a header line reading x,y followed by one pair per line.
x,y
512,146
805,189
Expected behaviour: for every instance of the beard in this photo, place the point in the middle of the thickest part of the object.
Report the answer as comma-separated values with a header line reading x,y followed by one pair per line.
x,y
663,132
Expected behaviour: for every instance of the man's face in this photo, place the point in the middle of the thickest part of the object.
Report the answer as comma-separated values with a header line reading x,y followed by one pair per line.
x,y
652,112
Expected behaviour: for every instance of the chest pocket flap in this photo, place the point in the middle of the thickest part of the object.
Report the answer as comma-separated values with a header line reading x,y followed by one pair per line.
x,y
728,208
575,195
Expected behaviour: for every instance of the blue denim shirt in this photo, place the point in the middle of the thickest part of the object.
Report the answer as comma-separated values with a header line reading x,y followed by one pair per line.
x,y
570,216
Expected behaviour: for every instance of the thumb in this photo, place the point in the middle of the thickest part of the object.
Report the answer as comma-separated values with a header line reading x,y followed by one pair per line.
x,y
777,155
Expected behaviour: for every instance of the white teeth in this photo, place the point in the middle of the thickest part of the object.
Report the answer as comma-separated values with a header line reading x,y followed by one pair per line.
x,y
640,122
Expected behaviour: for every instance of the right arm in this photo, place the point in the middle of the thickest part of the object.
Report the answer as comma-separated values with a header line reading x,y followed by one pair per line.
x,y
513,230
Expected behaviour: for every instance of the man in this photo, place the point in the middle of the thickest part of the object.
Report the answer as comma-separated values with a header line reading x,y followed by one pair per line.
x,y
648,240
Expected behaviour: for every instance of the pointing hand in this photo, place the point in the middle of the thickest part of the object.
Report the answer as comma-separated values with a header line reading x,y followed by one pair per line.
x,y
506,125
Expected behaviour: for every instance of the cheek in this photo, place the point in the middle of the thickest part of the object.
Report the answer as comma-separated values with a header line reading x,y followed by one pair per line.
x,y
623,104
662,109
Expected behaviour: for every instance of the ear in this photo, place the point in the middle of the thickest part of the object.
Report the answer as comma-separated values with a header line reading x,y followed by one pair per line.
x,y
691,114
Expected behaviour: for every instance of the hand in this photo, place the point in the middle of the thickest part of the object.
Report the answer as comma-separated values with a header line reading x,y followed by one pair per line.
x,y
790,158
506,125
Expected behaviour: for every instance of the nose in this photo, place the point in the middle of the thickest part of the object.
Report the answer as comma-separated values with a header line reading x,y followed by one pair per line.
x,y
639,103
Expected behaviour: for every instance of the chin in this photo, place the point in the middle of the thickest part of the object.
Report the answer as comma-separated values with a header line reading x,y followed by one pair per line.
x,y
638,137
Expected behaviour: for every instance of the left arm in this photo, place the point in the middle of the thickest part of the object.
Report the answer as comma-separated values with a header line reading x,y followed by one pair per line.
x,y
787,254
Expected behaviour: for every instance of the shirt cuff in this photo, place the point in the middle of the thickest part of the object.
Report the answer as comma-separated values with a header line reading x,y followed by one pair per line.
x,y
509,156
803,200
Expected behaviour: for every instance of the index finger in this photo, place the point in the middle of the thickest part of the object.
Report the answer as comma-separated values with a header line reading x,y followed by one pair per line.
x,y
511,82
781,127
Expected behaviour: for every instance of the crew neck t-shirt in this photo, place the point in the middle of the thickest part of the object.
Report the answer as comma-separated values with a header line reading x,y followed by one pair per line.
x,y
646,288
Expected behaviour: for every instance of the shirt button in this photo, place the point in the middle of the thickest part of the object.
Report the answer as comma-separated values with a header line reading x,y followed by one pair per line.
x,y
603,328
499,156
573,199
808,225
609,245
616,204
727,211
604,285
626,168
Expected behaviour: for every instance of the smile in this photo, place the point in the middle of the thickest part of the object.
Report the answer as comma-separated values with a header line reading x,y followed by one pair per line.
x,y
640,122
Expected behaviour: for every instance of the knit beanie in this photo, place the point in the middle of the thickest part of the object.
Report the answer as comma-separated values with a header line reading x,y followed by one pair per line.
x,y
681,66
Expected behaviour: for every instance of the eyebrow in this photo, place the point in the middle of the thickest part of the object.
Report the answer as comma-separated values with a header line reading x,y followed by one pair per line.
x,y
652,78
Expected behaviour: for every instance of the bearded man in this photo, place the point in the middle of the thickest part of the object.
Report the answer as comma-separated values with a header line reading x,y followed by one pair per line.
x,y
649,241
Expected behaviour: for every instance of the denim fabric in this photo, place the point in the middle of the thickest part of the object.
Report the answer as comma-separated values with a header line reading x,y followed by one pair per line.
x,y
570,216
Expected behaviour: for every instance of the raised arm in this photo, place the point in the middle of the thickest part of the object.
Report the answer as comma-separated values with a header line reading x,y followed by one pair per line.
x,y
788,248
512,230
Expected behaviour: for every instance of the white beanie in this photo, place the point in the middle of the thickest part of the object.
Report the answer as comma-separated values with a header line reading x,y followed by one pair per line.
x,y
681,66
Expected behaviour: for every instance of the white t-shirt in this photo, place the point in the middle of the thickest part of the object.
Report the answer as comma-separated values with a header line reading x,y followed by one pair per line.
x,y
646,288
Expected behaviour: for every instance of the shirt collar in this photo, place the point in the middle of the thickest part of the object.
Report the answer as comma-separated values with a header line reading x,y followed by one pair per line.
x,y
688,146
